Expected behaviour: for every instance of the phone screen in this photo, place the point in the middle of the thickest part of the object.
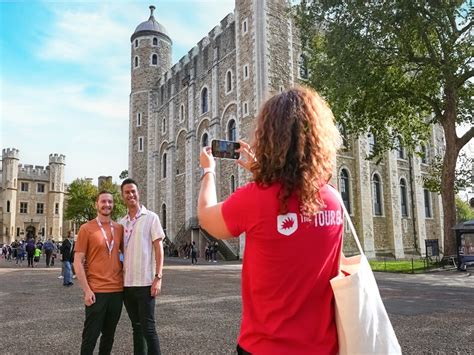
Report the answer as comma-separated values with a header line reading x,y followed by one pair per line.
x,y
225,149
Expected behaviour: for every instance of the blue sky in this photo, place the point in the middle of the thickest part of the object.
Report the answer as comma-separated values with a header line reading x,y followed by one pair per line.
x,y
65,75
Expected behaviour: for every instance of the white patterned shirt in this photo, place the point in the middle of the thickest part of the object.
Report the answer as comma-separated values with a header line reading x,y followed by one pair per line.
x,y
139,254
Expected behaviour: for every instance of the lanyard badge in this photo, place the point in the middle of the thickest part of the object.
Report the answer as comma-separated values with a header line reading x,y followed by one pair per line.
x,y
130,225
110,246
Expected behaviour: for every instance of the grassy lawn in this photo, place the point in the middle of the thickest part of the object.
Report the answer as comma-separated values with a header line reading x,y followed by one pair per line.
x,y
403,266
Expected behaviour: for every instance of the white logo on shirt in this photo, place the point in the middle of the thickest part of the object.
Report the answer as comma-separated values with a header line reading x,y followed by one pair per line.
x,y
287,224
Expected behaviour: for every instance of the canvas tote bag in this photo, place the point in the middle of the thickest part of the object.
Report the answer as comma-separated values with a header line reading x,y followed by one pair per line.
x,y
363,326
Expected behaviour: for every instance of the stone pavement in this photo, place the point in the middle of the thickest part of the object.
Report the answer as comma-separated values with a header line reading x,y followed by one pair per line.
x,y
199,311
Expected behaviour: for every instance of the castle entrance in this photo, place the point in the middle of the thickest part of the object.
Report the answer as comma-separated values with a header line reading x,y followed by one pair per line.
x,y
30,232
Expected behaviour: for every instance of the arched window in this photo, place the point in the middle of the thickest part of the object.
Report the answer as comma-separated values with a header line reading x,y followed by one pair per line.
x,y
181,113
427,195
163,125
136,62
154,59
155,41
205,140
136,43
204,101
345,189
163,216
403,198
8,206
232,183
228,82
163,166
231,131
400,149
377,195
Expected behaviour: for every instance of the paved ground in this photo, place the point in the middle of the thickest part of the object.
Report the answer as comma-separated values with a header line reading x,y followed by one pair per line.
x,y
199,311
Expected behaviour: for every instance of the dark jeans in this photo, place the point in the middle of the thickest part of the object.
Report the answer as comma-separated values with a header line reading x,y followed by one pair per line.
x,y
48,257
141,311
30,259
101,317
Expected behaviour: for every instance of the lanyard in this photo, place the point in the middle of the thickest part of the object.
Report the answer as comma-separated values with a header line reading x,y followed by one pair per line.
x,y
111,245
130,225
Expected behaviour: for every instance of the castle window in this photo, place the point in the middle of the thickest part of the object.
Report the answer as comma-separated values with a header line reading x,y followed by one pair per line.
x,y
228,82
154,59
377,195
181,113
427,195
232,183
52,186
246,71
163,125
372,142
56,208
17,231
163,216
424,152
162,94
246,108
345,189
205,140
8,206
40,188
23,207
282,88
136,43
39,208
136,62
403,198
24,187
400,149
14,183
163,166
42,232
244,26
231,131
204,101
139,119
140,144
155,41
303,67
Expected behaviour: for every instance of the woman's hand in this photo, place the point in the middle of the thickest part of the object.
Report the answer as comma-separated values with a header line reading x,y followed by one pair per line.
x,y
206,160
247,157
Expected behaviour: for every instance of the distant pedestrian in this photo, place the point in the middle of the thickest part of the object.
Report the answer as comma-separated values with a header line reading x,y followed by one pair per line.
x,y
214,252
67,251
30,250
194,253
37,255
48,247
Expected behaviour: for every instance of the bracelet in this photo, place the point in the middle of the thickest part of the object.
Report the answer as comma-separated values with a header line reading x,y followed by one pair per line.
x,y
208,171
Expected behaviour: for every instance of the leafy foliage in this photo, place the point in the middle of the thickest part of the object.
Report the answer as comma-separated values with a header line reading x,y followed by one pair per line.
x,y
123,174
463,211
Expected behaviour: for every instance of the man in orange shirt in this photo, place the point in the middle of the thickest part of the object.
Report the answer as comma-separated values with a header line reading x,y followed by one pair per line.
x,y
99,271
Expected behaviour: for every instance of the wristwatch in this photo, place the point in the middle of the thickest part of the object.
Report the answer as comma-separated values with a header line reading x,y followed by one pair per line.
x,y
158,276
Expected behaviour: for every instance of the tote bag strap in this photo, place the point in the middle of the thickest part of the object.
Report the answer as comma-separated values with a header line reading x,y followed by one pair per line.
x,y
348,218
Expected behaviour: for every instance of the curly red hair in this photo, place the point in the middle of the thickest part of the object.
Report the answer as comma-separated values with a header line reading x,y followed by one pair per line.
x,y
295,144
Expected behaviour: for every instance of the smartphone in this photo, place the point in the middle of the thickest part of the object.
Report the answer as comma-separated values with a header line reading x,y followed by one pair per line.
x,y
225,149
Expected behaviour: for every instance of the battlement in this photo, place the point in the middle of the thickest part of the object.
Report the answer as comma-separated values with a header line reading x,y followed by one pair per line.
x,y
180,68
10,153
57,159
30,172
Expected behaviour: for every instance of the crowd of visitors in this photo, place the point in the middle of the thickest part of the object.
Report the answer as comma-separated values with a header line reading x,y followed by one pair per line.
x,y
31,249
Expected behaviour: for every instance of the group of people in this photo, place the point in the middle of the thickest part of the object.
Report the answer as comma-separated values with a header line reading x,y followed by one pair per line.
x,y
32,251
190,251
287,301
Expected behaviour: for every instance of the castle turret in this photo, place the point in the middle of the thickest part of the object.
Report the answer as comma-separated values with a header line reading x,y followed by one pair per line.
x,y
150,58
56,196
10,159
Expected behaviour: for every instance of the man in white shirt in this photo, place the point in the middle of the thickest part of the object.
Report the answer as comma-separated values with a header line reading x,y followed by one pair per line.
x,y
143,267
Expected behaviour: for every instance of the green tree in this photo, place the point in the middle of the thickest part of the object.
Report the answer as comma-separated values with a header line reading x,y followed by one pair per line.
x,y
123,174
82,195
463,211
393,68
81,201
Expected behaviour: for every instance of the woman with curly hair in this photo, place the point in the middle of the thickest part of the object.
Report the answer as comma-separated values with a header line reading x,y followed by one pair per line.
x,y
293,225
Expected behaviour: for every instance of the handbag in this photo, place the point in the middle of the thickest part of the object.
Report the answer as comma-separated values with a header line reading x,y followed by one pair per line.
x,y
363,325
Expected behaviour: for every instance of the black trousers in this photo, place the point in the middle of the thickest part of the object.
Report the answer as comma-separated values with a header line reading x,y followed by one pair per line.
x,y
141,311
241,351
101,317
48,257
30,259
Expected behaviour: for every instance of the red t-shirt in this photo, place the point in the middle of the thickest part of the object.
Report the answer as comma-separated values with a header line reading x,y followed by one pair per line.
x,y
287,300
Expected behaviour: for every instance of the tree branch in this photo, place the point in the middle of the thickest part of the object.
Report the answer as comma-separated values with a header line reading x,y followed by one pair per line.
x,y
462,141
462,78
